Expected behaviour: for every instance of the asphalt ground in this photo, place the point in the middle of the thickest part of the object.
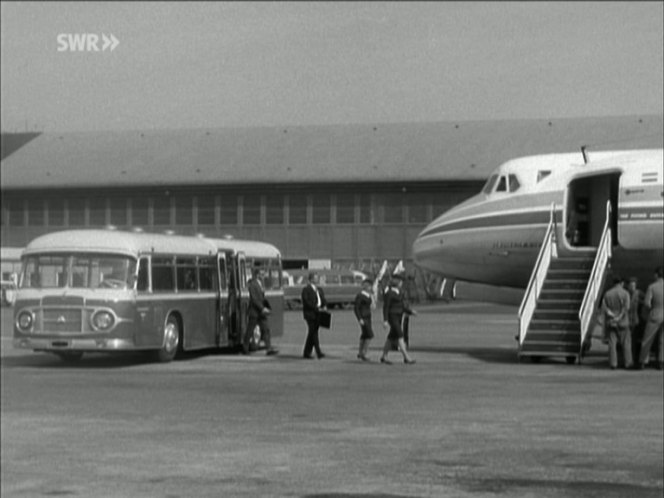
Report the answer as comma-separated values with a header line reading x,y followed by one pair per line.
x,y
467,420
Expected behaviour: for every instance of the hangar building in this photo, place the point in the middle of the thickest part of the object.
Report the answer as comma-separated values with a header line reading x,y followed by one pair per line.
x,y
348,194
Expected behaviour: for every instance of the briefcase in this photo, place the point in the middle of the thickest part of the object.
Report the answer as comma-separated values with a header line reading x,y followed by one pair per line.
x,y
324,319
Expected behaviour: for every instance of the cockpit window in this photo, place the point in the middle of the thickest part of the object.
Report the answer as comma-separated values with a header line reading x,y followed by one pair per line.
x,y
514,183
491,182
541,175
502,185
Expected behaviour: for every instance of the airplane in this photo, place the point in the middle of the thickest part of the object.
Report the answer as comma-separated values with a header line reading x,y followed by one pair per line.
x,y
495,236
556,225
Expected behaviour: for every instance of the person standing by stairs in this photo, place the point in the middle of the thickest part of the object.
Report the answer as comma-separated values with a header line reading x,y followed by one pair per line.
x,y
655,301
616,318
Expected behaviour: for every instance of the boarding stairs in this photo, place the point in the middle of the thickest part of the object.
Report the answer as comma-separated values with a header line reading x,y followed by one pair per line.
x,y
557,311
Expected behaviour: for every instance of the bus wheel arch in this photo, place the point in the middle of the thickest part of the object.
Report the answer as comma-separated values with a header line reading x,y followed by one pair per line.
x,y
172,338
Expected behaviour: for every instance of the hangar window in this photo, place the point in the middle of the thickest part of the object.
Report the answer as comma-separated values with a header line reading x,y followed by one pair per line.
x,y
206,210
56,212
321,208
139,211
392,208
161,211
491,182
297,212
514,183
274,209
97,214
418,205
251,210
76,212
35,212
228,210
345,208
184,210
15,213
118,211
365,208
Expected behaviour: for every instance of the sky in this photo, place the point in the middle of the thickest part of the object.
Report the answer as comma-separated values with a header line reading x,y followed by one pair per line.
x,y
237,64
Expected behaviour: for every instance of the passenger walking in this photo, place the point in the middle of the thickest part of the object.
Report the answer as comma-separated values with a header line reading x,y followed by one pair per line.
x,y
394,307
363,305
615,306
654,300
313,302
257,312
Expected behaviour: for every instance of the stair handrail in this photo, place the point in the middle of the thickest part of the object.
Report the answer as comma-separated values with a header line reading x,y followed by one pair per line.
x,y
548,251
596,279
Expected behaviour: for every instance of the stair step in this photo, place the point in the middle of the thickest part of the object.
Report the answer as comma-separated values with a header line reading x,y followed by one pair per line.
x,y
568,315
562,294
555,324
558,305
565,283
568,275
557,336
585,263
548,350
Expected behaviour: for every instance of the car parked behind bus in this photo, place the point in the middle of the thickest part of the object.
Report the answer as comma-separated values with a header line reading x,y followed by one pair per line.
x,y
340,286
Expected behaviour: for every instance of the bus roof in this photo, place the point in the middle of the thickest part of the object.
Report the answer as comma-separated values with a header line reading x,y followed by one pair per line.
x,y
116,241
135,243
251,248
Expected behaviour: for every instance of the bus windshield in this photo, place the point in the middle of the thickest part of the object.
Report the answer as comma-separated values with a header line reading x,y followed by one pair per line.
x,y
88,271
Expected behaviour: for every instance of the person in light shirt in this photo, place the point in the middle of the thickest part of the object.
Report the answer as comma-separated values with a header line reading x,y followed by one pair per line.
x,y
654,300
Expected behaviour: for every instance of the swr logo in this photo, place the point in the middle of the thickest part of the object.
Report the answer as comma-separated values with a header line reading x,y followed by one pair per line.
x,y
86,42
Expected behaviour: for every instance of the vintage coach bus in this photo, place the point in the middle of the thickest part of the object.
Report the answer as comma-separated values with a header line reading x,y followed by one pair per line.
x,y
112,291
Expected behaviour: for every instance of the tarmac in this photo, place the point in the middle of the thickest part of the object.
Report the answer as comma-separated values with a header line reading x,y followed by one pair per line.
x,y
467,420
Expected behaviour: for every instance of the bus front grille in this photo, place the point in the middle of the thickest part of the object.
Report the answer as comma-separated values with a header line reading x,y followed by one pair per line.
x,y
62,320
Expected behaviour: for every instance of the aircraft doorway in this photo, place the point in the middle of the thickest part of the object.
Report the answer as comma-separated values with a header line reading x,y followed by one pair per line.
x,y
586,209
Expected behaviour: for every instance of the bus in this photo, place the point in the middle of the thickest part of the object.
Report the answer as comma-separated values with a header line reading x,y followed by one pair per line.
x,y
340,286
104,290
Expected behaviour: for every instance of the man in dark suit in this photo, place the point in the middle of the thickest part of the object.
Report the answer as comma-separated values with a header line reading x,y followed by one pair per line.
x,y
313,302
257,312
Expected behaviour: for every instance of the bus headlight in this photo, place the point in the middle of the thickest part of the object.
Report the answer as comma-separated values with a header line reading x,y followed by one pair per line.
x,y
25,320
102,320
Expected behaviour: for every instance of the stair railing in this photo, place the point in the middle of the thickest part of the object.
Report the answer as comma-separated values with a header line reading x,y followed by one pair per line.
x,y
548,251
596,280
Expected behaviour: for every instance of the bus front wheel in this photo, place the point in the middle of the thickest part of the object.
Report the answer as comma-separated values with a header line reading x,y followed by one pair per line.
x,y
70,357
171,343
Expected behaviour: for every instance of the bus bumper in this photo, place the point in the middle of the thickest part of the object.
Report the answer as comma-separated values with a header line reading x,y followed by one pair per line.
x,y
57,344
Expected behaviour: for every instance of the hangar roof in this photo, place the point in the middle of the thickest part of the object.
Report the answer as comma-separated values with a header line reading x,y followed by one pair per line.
x,y
441,151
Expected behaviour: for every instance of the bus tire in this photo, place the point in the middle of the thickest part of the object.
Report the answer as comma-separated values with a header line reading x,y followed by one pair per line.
x,y
171,343
70,357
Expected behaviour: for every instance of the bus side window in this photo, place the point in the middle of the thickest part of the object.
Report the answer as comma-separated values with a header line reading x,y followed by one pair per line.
x,y
143,276
163,277
207,274
186,274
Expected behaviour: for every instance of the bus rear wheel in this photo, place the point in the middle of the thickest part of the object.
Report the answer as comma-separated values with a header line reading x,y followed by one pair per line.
x,y
171,344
